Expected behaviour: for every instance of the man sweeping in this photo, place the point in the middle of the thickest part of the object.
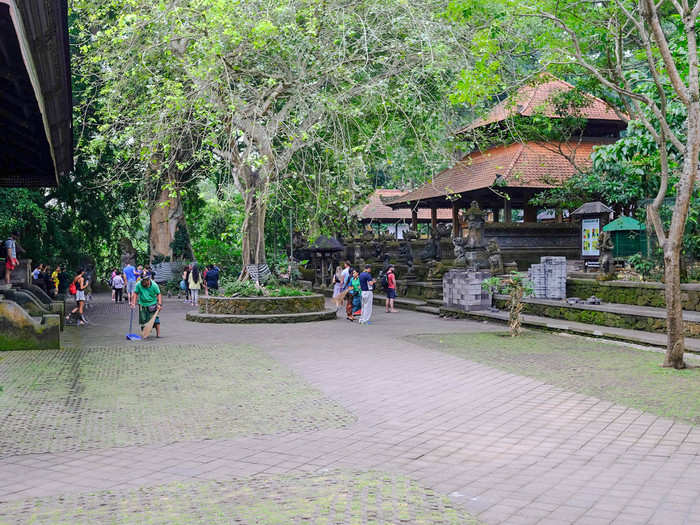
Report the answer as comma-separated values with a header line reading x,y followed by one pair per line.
x,y
150,302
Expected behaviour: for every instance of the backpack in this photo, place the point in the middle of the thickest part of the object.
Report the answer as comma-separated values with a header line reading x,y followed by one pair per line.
x,y
72,289
384,279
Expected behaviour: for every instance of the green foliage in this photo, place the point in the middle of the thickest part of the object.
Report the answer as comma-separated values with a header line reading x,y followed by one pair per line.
x,y
643,266
230,287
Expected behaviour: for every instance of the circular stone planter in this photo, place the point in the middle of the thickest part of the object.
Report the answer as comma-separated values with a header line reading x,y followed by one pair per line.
x,y
297,309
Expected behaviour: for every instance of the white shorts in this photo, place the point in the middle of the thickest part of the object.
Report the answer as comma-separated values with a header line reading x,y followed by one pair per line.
x,y
130,286
80,295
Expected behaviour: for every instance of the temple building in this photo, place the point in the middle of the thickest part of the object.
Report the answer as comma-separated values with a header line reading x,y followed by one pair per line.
x,y
506,176
36,149
379,217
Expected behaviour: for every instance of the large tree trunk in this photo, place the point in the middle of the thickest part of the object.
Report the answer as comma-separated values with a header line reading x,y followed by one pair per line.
x,y
253,186
167,215
675,346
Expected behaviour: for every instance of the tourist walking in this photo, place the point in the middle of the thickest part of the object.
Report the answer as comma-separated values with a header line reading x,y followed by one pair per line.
x,y
111,282
130,275
186,282
78,286
118,287
338,295
366,285
150,301
390,289
211,279
11,248
356,292
195,283
54,280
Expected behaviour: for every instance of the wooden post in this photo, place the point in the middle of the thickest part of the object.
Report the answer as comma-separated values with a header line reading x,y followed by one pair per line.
x,y
559,215
507,213
433,218
496,212
455,220
530,213
414,219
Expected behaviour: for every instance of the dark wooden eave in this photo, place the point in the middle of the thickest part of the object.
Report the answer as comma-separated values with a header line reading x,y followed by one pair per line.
x,y
36,138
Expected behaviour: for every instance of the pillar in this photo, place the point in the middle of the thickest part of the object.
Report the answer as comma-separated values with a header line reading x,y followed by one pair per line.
x,y
530,213
455,220
496,212
559,215
414,219
433,218
507,214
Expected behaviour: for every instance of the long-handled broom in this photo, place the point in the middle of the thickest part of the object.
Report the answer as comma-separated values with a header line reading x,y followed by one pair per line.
x,y
130,336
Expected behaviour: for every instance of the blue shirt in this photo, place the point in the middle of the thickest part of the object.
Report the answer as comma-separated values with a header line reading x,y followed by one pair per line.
x,y
365,278
130,273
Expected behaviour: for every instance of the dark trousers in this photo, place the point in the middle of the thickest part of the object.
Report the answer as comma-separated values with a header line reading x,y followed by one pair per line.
x,y
118,294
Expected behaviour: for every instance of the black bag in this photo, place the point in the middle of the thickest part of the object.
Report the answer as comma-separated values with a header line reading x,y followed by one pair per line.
x,y
384,280
152,308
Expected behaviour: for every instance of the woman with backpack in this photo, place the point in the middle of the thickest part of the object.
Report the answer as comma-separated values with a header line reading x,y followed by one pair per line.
x,y
77,288
194,283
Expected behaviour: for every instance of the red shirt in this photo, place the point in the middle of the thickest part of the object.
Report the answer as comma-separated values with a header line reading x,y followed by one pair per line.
x,y
391,280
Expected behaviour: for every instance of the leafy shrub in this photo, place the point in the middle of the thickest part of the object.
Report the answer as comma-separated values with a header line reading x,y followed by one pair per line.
x,y
643,266
229,287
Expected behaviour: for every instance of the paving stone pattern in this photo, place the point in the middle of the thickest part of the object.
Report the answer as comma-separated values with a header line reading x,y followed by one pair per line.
x,y
57,401
507,448
336,498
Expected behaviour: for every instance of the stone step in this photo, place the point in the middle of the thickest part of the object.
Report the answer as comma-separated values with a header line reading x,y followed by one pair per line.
x,y
607,332
646,318
436,302
435,310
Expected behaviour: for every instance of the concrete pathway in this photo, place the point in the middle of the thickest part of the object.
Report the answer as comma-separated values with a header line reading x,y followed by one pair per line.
x,y
508,448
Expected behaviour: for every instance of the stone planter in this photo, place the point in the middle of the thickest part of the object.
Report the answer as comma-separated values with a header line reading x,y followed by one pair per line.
x,y
261,309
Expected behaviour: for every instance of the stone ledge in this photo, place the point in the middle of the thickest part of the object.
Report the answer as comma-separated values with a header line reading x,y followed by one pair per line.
x,y
305,317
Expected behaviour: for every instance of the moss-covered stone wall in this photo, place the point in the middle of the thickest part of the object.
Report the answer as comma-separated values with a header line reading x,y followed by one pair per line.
x,y
262,305
19,331
637,293
618,320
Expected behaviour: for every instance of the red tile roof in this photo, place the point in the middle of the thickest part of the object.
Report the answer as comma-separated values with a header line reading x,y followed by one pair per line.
x,y
521,165
376,210
537,97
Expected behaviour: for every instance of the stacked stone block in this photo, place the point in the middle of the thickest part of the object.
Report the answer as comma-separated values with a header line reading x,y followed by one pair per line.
x,y
462,289
549,278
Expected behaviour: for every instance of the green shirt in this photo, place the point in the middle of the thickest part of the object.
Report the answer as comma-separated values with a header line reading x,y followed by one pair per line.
x,y
147,296
355,283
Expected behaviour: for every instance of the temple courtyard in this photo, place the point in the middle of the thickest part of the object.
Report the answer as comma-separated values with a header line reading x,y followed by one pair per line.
x,y
412,419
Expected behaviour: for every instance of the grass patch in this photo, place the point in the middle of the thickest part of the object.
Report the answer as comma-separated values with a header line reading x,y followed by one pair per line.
x,y
616,373
336,497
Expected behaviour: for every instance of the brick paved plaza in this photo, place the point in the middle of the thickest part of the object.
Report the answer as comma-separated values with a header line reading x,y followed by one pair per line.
x,y
327,423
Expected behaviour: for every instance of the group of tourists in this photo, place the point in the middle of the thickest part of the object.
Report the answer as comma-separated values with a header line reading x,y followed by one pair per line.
x,y
127,279
194,279
356,289
52,281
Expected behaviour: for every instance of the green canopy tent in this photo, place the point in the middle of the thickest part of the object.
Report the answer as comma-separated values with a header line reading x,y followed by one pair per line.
x,y
628,235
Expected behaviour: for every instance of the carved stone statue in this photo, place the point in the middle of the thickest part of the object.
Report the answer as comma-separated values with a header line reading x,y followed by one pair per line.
x,y
606,247
406,254
387,262
128,253
410,235
475,226
432,250
493,251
